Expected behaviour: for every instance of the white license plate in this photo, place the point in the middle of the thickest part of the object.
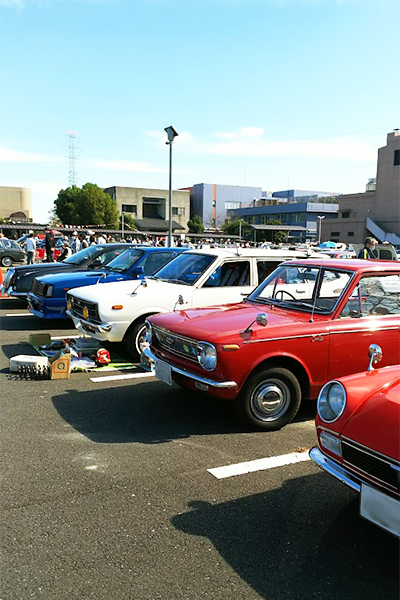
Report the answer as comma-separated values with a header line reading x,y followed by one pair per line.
x,y
163,371
381,509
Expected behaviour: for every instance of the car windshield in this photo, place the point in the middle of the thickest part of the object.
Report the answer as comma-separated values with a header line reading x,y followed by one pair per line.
x,y
186,268
125,261
302,287
8,244
82,255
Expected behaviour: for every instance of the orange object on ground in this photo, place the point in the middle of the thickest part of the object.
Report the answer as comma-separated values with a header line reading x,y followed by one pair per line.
x,y
2,294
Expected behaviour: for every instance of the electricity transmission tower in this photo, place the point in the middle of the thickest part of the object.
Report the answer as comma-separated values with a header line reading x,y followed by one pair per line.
x,y
72,157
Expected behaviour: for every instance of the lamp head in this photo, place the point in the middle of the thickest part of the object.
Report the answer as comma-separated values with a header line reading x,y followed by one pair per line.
x,y
171,133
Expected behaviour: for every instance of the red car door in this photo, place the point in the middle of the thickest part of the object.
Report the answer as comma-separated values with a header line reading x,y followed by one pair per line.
x,y
371,315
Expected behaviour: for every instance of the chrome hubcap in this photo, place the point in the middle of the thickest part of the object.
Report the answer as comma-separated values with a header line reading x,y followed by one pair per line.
x,y
270,400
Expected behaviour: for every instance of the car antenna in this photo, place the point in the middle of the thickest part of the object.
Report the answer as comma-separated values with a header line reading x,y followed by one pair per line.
x,y
317,285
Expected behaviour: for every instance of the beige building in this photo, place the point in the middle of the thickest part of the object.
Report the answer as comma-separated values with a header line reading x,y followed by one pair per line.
x,y
150,208
375,212
15,203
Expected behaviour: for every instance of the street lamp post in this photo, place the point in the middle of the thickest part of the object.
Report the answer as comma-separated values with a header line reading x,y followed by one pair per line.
x,y
171,134
122,224
319,228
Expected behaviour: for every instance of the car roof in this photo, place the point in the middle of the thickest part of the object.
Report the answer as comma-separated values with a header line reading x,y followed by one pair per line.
x,y
252,252
351,264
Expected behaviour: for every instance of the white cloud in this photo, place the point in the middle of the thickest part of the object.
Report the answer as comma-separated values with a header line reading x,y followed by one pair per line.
x,y
15,156
250,142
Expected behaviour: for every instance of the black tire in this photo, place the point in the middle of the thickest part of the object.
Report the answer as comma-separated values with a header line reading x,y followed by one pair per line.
x,y
134,339
270,399
6,261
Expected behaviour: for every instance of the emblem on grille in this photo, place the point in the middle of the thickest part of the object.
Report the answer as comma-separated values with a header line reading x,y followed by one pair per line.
x,y
85,312
170,340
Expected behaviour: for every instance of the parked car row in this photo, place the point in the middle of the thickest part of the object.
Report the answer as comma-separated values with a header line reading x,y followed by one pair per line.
x,y
263,328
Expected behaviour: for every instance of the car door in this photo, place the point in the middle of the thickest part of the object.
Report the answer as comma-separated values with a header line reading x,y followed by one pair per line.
x,y
228,282
370,315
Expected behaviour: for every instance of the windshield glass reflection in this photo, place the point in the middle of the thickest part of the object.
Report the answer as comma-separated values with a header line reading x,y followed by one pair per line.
x,y
302,287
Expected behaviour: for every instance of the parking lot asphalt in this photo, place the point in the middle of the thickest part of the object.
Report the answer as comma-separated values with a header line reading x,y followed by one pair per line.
x,y
106,492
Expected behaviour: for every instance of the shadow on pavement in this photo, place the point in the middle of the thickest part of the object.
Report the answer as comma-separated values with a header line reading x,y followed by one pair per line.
x,y
304,540
147,413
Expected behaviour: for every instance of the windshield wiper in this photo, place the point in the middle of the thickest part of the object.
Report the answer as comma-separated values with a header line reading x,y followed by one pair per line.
x,y
296,303
259,300
179,281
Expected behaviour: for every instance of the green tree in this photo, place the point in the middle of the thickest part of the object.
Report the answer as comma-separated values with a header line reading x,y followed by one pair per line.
x,y
88,205
233,227
195,225
129,222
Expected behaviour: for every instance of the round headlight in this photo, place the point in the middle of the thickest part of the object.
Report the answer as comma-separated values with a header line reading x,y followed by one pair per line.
x,y
331,401
149,333
207,356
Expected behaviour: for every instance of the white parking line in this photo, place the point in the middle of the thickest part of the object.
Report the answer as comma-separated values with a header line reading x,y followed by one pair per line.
x,y
258,465
116,377
27,314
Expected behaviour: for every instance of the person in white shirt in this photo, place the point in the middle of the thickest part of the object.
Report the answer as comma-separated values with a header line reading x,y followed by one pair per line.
x,y
30,247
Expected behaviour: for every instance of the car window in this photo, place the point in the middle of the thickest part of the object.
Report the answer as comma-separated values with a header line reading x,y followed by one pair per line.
x,y
374,295
230,274
304,287
264,268
154,261
120,259
8,244
186,268
80,257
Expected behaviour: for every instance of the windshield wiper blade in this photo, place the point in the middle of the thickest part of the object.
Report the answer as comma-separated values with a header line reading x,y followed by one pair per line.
x,y
259,300
301,303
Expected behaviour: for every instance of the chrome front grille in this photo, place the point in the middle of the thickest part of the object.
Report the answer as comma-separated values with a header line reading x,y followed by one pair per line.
x,y
38,287
175,344
77,308
378,467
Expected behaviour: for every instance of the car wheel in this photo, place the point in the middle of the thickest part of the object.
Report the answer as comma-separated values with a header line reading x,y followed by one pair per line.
x,y
270,399
6,261
135,339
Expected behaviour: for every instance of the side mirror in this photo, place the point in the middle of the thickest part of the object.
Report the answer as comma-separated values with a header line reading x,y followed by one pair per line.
x,y
97,263
261,319
138,270
375,354
179,301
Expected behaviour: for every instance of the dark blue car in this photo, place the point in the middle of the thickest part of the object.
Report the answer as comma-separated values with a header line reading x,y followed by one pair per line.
x,y
47,298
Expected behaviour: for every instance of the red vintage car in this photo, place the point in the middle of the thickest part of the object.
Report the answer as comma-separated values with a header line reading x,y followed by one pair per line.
x,y
309,321
358,428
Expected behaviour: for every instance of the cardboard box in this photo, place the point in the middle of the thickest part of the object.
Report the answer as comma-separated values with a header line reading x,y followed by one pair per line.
x,y
39,339
60,367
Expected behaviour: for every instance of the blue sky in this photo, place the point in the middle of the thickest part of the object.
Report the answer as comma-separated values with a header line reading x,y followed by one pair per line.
x,y
272,93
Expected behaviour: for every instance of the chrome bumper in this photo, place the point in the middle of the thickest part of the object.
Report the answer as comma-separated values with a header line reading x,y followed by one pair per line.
x,y
85,326
148,362
331,467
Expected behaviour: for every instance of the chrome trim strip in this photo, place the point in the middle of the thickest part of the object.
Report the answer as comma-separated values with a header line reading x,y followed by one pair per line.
x,y
365,330
220,385
331,467
291,337
314,335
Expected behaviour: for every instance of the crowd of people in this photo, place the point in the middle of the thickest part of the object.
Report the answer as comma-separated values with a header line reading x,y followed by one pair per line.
x,y
80,240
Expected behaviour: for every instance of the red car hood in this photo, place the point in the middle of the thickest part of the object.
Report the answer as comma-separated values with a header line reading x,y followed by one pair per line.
x,y
376,422
219,323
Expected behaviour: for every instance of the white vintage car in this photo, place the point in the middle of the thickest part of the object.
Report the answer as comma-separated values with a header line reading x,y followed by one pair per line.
x,y
116,312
